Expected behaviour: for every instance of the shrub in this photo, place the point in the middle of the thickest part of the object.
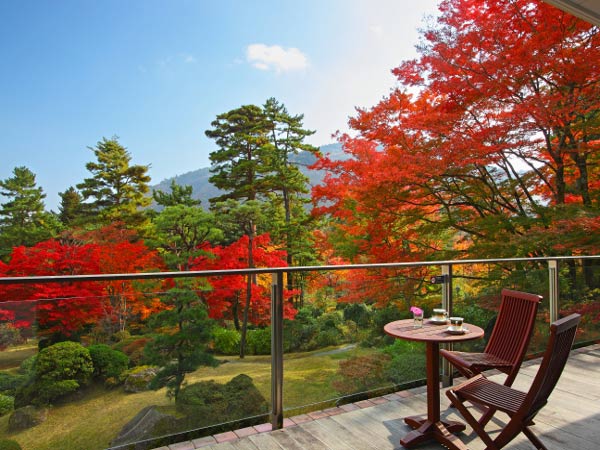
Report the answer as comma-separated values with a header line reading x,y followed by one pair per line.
x,y
359,313
9,383
259,341
58,370
27,367
134,349
7,404
299,333
207,402
9,444
9,335
109,364
406,363
227,342
361,373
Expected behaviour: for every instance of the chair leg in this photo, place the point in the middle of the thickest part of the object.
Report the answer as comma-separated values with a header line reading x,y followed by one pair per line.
x,y
491,445
534,439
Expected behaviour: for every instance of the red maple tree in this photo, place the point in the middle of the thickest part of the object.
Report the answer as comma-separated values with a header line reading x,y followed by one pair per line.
x,y
491,130
225,299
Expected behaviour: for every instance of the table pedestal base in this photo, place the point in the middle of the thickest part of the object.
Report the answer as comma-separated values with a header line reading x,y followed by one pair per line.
x,y
426,430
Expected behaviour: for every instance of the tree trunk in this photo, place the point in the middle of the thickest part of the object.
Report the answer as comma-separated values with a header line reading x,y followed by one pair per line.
x,y
249,282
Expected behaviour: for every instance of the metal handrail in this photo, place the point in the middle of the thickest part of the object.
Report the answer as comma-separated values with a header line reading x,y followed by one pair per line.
x,y
263,270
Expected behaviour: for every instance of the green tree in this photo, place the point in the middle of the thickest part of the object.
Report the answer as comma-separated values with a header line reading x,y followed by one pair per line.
x,y
286,137
180,230
240,165
183,349
117,190
23,219
70,208
177,195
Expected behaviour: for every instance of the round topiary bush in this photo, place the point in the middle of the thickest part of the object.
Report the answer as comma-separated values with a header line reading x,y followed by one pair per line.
x,y
207,402
109,364
58,370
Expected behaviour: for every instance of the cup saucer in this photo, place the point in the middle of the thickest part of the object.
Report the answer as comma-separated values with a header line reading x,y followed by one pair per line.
x,y
438,321
453,330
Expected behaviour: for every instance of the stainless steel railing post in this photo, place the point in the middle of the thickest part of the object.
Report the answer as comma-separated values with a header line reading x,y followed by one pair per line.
x,y
553,289
447,305
277,350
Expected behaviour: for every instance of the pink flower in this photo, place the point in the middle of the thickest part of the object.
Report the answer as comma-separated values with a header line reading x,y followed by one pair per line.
x,y
416,310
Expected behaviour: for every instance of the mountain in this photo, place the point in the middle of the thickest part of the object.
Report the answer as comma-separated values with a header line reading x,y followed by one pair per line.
x,y
203,190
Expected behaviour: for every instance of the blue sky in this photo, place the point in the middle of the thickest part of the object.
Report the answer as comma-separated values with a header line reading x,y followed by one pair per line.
x,y
156,73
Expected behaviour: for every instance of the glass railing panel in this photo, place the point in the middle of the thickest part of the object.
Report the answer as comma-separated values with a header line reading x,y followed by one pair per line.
x,y
336,351
580,293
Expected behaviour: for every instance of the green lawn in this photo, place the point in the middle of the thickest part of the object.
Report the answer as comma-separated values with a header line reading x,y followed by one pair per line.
x,y
92,421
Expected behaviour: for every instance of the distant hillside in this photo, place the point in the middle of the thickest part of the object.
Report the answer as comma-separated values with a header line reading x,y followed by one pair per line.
x,y
203,190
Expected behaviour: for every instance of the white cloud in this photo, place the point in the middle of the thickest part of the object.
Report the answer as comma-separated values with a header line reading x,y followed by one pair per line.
x,y
188,59
377,30
276,58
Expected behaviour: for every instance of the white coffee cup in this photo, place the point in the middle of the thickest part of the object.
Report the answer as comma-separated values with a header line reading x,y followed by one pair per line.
x,y
439,315
456,323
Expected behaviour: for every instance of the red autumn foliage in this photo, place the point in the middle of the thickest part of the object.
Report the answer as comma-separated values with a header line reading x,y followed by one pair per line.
x,y
225,300
493,125
56,307
68,307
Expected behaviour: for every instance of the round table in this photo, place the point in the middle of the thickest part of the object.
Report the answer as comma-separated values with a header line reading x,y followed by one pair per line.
x,y
432,427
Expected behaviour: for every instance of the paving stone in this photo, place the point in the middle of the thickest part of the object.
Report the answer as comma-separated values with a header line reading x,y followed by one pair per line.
x,y
263,427
243,432
204,441
226,437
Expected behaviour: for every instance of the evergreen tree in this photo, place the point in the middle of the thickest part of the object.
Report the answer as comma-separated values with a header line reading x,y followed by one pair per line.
x,y
286,137
23,219
240,165
185,349
180,231
70,208
117,189
177,195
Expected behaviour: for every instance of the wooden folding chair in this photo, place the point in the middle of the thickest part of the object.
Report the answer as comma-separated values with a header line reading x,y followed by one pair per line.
x,y
521,407
508,343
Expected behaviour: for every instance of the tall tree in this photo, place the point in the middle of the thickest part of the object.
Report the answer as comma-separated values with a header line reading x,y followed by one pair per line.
x,y
286,137
117,190
240,165
23,220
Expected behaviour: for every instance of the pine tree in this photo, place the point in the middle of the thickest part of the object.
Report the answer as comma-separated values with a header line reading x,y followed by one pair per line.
x,y
70,208
177,195
23,219
117,189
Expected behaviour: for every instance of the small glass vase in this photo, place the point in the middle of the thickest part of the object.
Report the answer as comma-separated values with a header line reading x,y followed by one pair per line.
x,y
418,320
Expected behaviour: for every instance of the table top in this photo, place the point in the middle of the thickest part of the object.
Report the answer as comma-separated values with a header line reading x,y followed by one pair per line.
x,y
431,332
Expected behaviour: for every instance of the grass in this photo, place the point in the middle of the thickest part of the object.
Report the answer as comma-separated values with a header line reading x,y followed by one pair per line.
x,y
92,421
14,356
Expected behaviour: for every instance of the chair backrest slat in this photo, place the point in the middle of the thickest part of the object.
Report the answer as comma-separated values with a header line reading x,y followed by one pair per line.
x,y
562,335
514,326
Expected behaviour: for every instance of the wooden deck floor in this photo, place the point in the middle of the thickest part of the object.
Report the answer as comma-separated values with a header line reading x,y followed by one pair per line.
x,y
570,421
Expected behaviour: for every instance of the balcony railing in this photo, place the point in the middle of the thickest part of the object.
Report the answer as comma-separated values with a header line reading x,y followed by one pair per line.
x,y
467,287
